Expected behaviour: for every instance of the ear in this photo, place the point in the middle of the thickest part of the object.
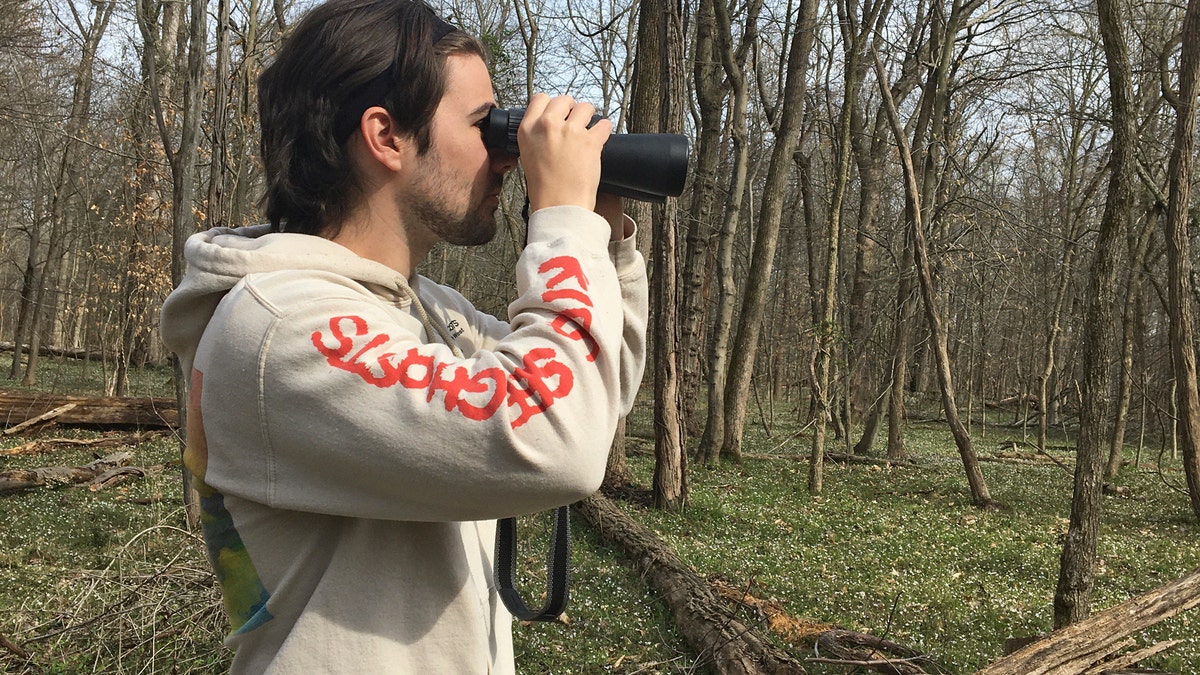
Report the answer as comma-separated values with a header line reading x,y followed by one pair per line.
x,y
383,141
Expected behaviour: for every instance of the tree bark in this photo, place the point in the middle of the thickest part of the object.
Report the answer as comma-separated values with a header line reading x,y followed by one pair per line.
x,y
1074,649
1129,319
719,637
975,481
1179,263
713,438
1076,575
147,413
790,116
658,102
699,259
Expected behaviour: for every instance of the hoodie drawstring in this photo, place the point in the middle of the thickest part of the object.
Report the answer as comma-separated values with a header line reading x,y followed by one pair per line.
x,y
430,326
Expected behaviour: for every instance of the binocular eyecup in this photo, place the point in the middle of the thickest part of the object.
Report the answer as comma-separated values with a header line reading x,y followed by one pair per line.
x,y
645,167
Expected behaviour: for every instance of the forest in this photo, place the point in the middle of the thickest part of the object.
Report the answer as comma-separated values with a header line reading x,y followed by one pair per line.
x,y
904,220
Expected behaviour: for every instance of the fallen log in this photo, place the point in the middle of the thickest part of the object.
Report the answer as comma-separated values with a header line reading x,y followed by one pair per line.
x,y
1086,646
90,411
44,418
23,479
841,458
704,620
858,650
831,645
115,477
113,441
62,352
14,647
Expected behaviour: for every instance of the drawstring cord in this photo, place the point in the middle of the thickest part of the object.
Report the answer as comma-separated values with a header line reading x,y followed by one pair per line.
x,y
430,325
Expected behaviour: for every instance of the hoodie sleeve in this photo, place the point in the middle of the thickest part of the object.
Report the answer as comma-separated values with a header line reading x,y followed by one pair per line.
x,y
630,267
319,397
631,276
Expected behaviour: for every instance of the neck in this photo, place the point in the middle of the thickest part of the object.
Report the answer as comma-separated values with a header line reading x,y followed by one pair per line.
x,y
375,232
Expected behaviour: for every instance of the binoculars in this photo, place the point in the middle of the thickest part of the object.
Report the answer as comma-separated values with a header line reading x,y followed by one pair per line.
x,y
645,167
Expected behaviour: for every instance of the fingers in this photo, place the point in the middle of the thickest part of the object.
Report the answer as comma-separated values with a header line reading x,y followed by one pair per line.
x,y
560,153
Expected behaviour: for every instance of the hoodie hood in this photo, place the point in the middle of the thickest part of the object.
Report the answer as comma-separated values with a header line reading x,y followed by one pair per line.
x,y
219,258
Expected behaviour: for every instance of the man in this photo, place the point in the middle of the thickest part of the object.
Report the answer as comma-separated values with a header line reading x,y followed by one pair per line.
x,y
355,429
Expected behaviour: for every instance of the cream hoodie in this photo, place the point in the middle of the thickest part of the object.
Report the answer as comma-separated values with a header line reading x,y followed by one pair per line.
x,y
355,435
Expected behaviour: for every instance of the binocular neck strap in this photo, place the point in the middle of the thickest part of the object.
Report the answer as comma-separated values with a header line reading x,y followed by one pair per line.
x,y
556,568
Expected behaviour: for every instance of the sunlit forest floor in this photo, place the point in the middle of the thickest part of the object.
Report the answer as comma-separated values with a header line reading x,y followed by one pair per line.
x,y
108,581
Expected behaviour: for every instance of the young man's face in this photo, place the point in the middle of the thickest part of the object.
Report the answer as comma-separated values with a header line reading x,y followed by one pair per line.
x,y
456,184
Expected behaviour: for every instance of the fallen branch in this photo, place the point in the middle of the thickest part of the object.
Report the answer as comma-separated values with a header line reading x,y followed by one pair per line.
x,y
115,477
869,651
1078,648
839,457
44,417
23,479
14,647
845,647
794,631
703,619
876,461
113,441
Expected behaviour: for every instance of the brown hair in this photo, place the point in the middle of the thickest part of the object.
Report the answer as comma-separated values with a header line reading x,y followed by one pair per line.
x,y
343,57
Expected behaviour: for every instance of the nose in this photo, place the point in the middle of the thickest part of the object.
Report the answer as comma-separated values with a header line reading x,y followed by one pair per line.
x,y
502,162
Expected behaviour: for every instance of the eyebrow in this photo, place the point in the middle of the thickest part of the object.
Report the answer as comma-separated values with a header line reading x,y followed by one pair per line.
x,y
482,108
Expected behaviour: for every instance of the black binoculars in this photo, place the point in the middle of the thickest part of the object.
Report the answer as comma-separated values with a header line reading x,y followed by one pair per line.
x,y
645,167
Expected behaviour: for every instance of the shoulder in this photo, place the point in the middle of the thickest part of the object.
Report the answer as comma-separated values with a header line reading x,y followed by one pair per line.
x,y
285,292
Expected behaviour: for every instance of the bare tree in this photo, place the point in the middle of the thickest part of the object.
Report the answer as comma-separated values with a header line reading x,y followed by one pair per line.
x,y
1076,575
733,63
66,175
856,31
789,117
182,160
657,107
1179,261
979,492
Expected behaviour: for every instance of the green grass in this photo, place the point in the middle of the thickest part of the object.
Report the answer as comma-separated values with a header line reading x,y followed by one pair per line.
x,y
108,582
901,553
77,378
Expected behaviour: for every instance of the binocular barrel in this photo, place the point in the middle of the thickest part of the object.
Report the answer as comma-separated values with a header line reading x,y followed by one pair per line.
x,y
645,167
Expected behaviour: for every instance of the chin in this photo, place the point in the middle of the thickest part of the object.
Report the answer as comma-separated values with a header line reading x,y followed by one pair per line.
x,y
479,235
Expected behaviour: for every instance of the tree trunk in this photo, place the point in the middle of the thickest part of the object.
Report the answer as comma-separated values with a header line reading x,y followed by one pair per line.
x,y
1133,304
856,31
183,171
1073,594
979,492
711,91
717,635
901,337
745,345
616,472
1076,649
713,438
1179,263
217,190
658,102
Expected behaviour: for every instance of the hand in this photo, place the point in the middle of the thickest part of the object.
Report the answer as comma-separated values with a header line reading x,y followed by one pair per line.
x,y
560,154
